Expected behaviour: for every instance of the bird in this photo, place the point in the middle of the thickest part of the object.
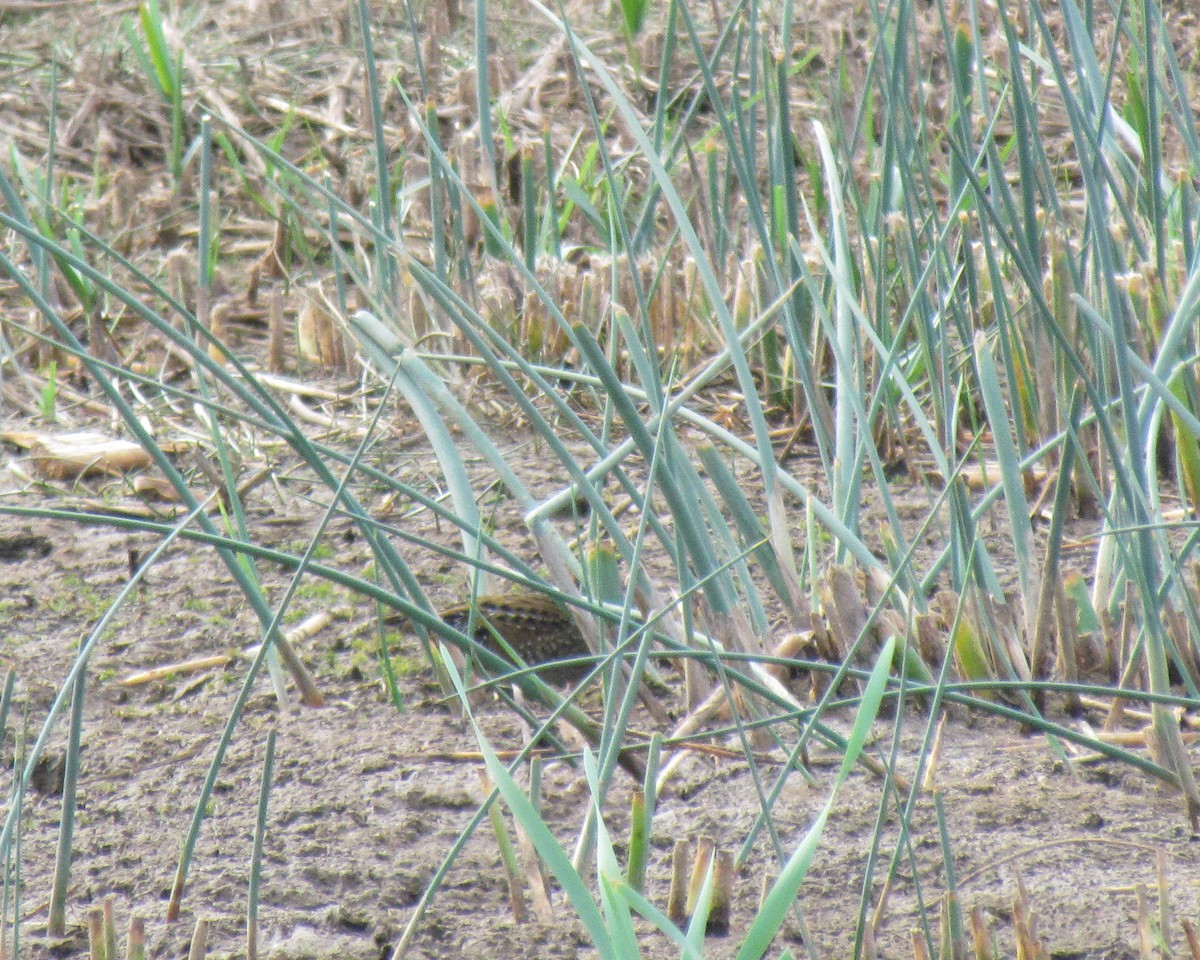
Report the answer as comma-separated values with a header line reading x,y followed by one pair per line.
x,y
545,636
537,629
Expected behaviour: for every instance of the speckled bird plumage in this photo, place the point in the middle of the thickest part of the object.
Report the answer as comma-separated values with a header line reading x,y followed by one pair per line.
x,y
537,628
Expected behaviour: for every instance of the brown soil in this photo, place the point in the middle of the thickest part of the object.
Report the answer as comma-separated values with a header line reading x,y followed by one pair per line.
x,y
368,797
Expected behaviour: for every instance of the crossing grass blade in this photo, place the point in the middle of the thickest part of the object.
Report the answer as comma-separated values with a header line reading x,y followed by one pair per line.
x,y
783,892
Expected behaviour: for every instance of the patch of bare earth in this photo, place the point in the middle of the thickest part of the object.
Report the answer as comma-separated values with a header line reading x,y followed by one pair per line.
x,y
368,797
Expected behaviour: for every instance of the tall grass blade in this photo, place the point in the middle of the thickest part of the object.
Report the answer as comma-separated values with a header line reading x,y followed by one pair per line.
x,y
783,892
260,834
